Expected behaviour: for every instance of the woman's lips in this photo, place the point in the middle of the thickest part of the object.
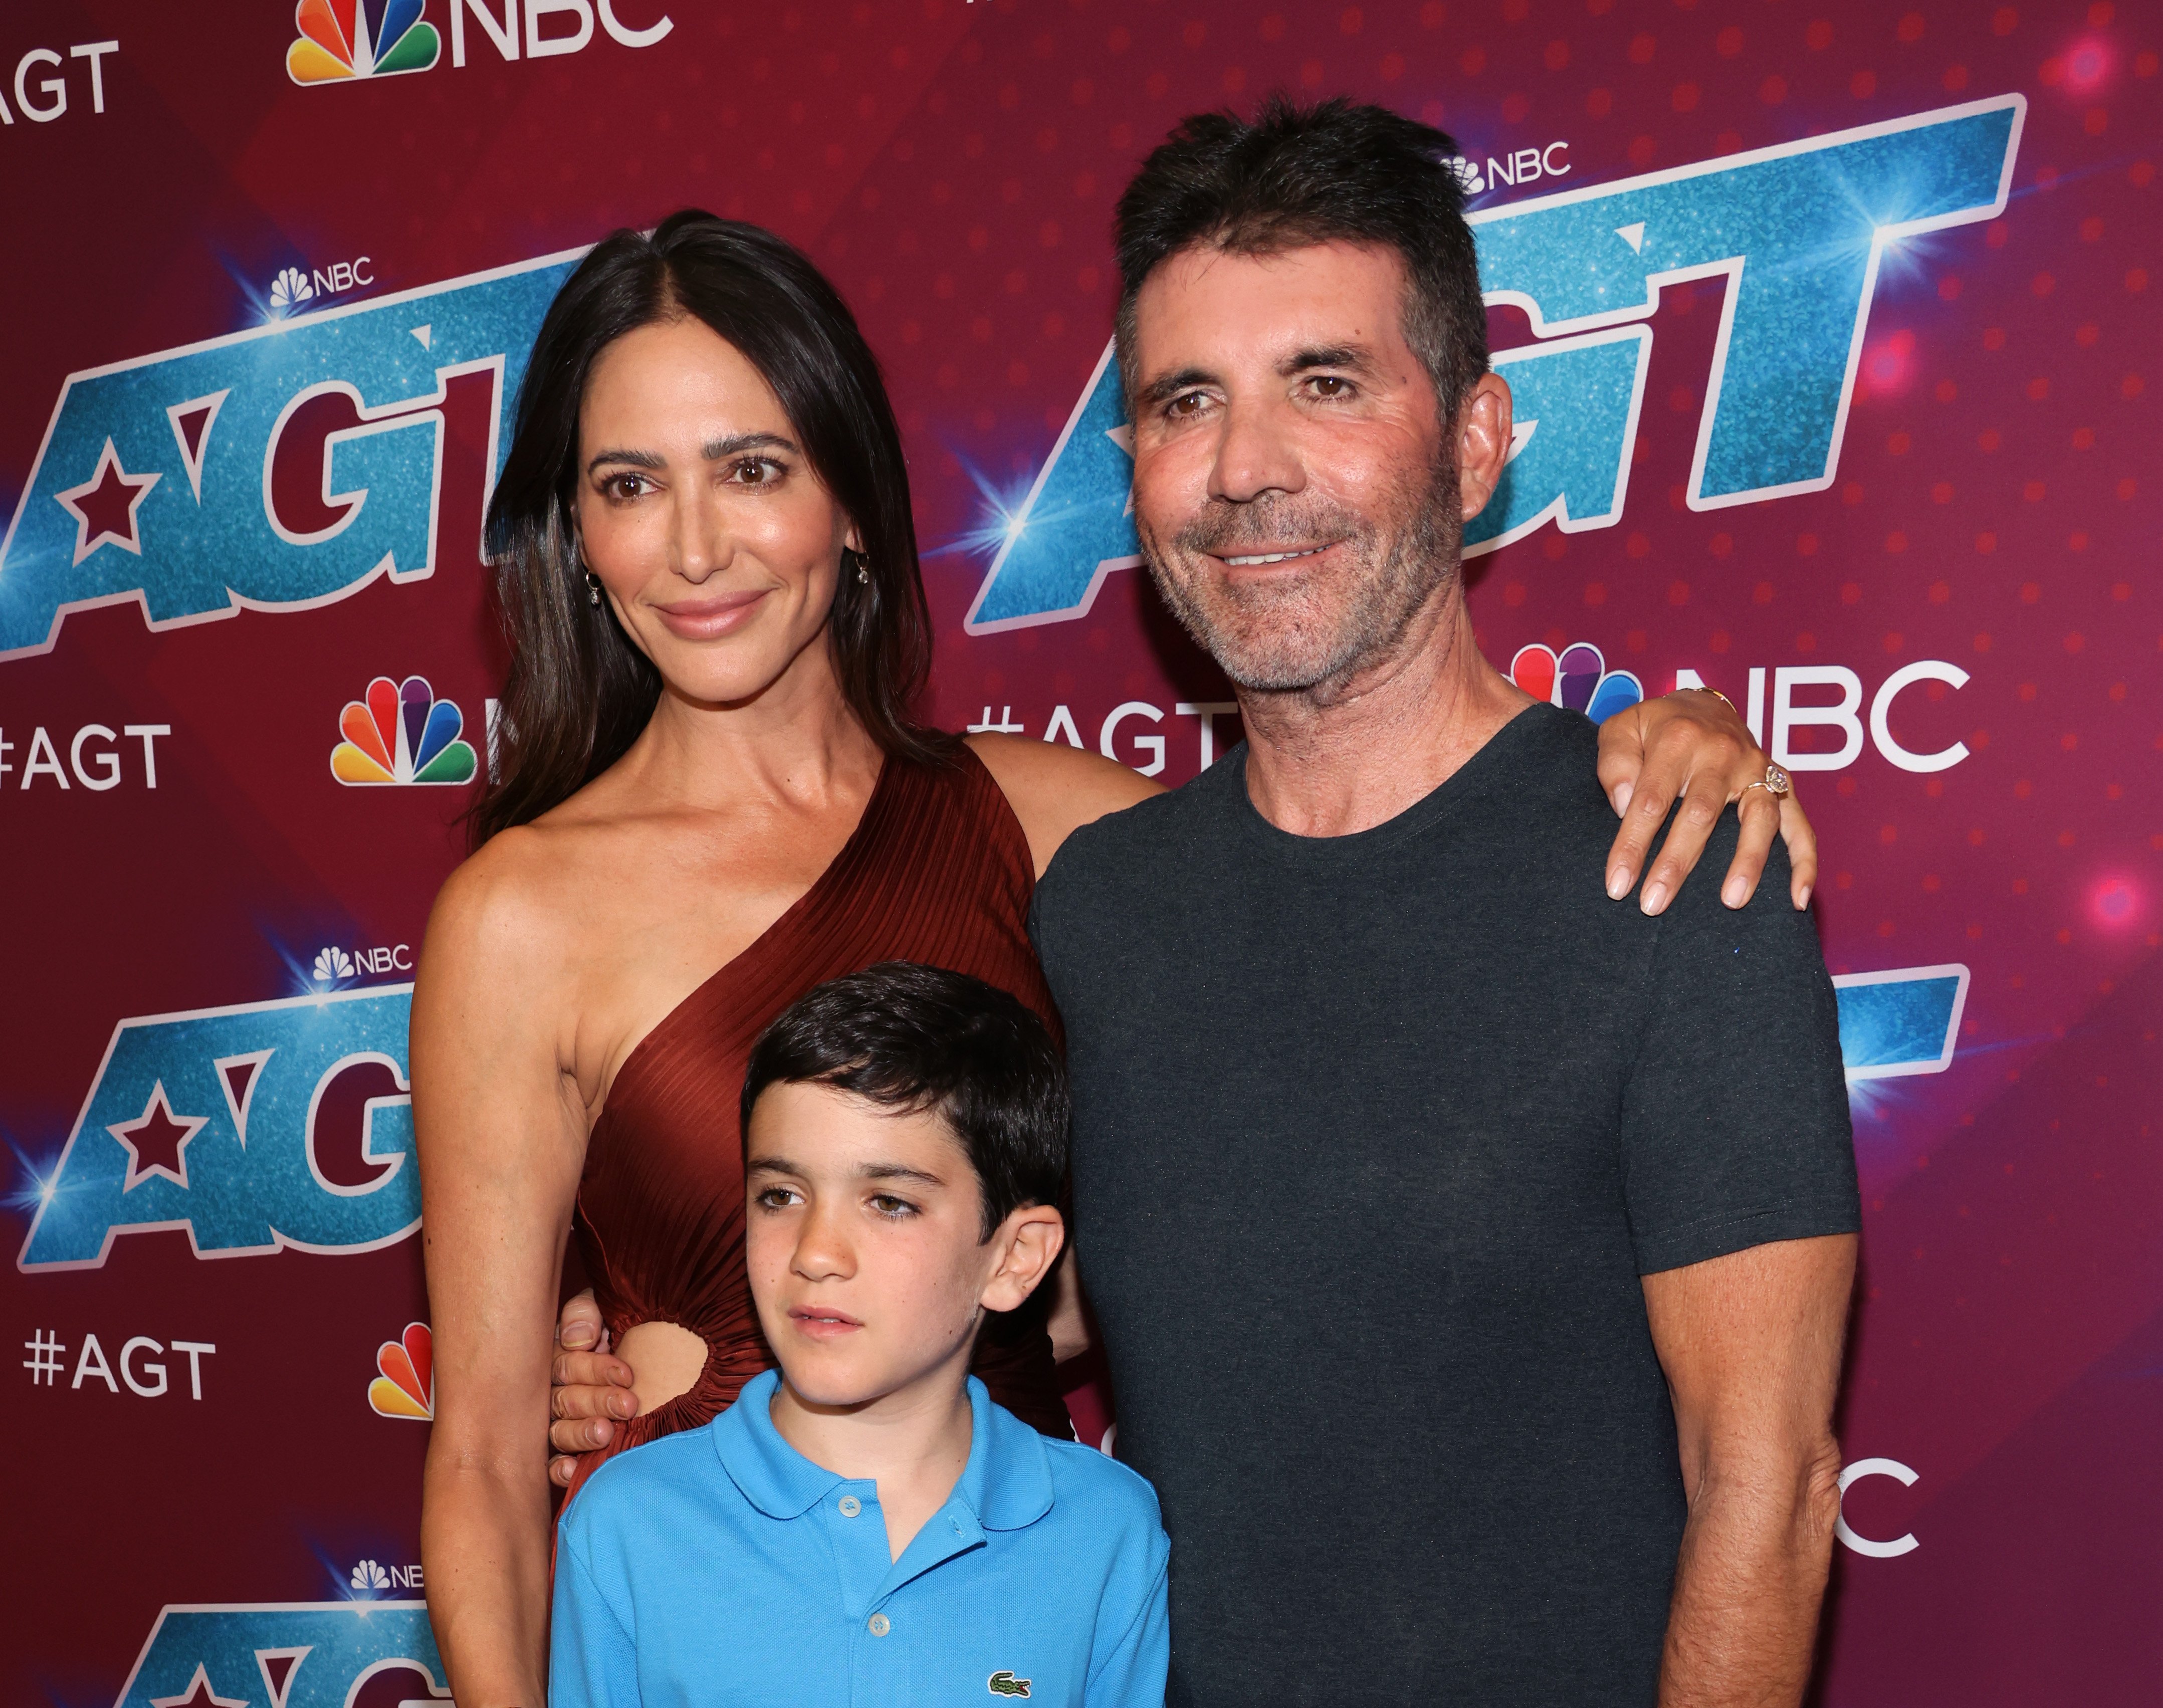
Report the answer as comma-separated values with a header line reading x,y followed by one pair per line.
x,y
709,619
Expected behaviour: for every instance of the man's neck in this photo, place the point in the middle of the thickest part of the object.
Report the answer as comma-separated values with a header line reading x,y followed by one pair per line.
x,y
1346,757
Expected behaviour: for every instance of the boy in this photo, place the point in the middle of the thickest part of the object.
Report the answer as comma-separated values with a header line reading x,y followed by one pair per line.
x,y
863,1525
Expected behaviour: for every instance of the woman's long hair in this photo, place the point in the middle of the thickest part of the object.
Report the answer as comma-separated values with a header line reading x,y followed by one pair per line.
x,y
579,692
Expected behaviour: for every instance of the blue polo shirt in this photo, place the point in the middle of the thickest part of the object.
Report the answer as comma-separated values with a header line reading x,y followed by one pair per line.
x,y
721,1566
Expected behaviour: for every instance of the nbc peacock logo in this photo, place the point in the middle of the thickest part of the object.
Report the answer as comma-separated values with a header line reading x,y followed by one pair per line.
x,y
1579,679
404,1382
344,38
401,733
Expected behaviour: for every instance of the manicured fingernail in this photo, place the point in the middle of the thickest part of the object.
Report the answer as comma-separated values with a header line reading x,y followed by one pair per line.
x,y
1655,897
1618,882
1805,900
1623,791
1736,893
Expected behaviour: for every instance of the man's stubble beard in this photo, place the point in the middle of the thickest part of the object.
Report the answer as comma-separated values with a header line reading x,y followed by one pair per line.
x,y
1315,633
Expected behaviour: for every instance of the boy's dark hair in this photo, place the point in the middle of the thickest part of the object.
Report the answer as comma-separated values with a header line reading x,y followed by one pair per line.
x,y
919,1039
1333,173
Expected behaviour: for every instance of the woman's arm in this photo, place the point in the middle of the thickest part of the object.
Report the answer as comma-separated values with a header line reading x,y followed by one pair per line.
x,y
1691,746
501,1138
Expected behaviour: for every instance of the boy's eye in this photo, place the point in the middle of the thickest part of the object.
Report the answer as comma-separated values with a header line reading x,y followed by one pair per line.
x,y
776,1198
892,1207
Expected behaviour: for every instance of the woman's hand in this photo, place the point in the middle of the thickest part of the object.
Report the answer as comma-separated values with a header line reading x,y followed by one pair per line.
x,y
589,1388
1690,745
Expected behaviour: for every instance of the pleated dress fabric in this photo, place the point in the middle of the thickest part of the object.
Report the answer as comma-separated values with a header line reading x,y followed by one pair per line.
x,y
937,871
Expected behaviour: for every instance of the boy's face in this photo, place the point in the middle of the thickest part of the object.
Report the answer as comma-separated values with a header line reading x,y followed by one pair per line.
x,y
864,1245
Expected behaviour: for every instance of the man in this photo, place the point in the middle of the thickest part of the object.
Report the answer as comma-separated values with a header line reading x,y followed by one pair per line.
x,y
1472,1254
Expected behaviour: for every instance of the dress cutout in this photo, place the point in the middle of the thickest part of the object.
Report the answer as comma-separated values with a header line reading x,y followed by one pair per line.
x,y
937,871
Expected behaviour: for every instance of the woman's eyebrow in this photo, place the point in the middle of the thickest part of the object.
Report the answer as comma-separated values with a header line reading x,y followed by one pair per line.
x,y
715,449
638,459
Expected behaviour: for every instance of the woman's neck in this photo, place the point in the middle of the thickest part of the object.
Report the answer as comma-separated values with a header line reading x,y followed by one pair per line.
x,y
914,1444
796,740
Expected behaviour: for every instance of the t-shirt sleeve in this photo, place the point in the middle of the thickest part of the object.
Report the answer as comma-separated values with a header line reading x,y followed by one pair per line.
x,y
1735,1119
592,1661
1132,1656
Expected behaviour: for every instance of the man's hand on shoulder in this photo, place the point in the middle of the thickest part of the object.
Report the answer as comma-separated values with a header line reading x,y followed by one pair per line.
x,y
1054,789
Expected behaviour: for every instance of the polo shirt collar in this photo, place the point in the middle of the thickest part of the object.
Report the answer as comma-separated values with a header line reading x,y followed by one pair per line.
x,y
1007,1483
770,1474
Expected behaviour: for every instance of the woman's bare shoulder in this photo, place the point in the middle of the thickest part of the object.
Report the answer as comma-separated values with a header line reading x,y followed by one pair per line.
x,y
1054,789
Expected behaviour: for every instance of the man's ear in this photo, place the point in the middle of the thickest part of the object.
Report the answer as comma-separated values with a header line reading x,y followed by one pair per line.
x,y
1028,1244
1483,444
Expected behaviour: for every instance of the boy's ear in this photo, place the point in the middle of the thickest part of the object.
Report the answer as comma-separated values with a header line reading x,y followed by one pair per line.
x,y
1028,1244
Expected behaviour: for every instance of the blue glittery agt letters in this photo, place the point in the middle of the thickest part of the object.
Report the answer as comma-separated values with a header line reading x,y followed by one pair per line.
x,y
1799,231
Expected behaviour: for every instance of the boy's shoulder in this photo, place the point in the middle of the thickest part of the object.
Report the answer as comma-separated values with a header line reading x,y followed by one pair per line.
x,y
631,1486
1099,1484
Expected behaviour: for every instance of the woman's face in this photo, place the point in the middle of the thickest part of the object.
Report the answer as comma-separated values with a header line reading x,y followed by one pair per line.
x,y
700,516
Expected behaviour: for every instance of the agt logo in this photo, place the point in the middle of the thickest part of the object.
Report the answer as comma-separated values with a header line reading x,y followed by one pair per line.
x,y
280,468
1798,231
294,1654
399,732
252,1128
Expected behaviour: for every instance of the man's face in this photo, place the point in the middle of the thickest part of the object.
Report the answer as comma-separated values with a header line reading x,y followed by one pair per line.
x,y
1296,487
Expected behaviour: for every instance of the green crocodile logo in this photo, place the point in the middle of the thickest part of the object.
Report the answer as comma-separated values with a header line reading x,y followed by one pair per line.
x,y
1007,1685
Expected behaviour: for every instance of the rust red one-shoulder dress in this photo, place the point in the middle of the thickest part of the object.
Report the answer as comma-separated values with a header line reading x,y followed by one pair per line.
x,y
937,871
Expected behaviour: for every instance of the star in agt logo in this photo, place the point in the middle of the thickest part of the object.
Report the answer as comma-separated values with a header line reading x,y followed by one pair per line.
x,y
401,733
404,1384
344,38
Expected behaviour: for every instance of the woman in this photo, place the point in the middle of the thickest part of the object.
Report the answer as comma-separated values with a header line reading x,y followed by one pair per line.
x,y
704,761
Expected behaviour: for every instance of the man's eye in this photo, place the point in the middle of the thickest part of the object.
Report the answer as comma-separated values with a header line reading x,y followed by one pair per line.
x,y
1182,408
1330,385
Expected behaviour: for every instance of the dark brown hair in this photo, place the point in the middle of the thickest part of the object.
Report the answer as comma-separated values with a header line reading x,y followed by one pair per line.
x,y
1337,172
921,1040
579,692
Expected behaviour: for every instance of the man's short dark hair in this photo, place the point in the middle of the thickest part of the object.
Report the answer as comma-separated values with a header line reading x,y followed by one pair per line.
x,y
918,1040
1338,172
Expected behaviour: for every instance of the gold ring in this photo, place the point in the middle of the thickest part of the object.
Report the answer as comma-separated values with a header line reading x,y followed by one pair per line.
x,y
1776,783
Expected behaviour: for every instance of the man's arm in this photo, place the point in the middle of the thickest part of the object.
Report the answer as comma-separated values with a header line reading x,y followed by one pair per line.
x,y
1751,1344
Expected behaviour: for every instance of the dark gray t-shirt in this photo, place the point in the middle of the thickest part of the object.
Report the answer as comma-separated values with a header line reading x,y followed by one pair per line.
x,y
1373,1136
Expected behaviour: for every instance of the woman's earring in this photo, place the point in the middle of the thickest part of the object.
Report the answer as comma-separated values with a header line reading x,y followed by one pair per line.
x,y
864,572
593,588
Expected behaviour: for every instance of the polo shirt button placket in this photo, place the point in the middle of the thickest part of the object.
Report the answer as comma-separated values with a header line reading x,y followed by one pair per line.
x,y
878,1625
850,1506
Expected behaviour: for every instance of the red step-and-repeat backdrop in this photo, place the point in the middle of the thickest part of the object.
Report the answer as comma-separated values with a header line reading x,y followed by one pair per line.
x,y
1832,330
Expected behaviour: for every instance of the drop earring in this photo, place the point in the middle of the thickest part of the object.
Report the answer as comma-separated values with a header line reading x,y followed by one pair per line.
x,y
864,573
593,588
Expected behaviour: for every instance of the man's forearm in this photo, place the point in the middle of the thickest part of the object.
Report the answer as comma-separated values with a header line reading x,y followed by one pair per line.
x,y
1749,1580
485,1545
